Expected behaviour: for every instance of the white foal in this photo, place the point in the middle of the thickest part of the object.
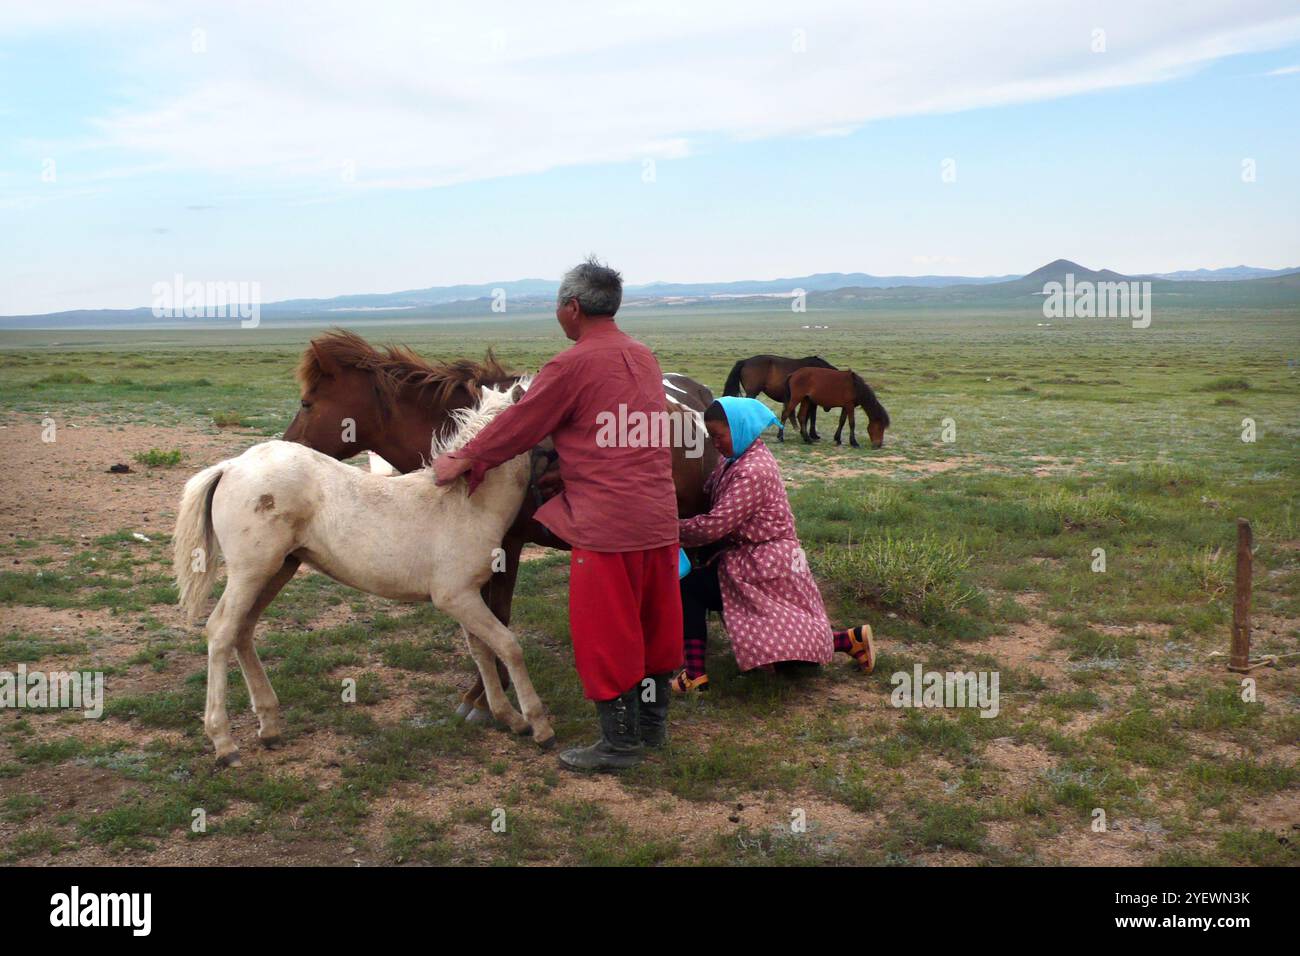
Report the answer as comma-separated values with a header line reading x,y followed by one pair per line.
x,y
279,505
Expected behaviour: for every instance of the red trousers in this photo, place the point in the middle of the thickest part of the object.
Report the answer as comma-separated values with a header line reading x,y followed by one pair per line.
x,y
625,615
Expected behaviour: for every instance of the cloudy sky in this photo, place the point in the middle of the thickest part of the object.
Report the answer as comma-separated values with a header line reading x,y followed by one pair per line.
x,y
366,146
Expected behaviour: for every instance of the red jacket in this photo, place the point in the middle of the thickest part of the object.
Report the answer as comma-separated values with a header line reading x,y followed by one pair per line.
x,y
615,498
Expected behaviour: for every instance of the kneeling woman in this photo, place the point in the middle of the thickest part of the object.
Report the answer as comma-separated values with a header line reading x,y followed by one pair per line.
x,y
759,579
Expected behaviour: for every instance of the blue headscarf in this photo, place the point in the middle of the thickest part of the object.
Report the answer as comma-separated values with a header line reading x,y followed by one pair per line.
x,y
746,417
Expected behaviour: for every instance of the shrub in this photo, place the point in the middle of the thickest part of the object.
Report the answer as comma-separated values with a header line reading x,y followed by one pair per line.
x,y
157,458
228,419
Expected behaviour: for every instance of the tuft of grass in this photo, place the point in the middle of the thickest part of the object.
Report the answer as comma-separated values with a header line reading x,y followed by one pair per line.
x,y
1158,478
64,378
31,843
412,656
1086,644
157,458
1225,383
923,576
943,825
228,419
1094,508
1253,847
1144,736
1221,708
1211,571
1083,784
20,807
722,768
20,648
1213,781
412,838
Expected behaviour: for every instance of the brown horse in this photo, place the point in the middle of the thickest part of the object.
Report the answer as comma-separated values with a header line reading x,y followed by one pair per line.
x,y
829,388
391,401
767,374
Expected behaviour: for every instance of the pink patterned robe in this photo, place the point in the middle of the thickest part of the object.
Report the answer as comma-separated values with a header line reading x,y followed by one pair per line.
x,y
771,606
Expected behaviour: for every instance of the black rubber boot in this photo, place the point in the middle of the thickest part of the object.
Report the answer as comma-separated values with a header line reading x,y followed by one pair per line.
x,y
654,712
619,747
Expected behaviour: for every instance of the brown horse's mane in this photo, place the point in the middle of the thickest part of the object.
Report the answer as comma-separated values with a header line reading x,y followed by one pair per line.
x,y
396,367
866,397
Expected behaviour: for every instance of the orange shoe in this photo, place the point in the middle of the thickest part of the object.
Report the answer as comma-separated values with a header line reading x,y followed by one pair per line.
x,y
681,684
862,648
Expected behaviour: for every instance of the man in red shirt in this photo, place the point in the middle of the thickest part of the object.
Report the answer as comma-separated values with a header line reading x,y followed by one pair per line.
x,y
618,510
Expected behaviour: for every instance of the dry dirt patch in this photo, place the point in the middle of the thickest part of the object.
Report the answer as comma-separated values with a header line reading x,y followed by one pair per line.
x,y
64,486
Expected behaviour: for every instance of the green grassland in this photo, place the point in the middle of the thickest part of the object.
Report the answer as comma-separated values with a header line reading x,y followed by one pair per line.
x,y
1085,435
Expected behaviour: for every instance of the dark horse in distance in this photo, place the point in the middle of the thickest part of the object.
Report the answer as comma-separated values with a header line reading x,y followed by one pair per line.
x,y
830,388
767,374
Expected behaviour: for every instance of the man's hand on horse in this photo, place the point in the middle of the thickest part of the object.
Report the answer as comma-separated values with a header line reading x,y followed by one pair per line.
x,y
447,469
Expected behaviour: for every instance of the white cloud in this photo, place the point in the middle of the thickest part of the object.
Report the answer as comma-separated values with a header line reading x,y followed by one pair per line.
x,y
409,97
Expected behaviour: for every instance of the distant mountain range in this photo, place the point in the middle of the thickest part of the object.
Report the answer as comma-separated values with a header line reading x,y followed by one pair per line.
x,y
1242,285
1223,275
1275,289
526,288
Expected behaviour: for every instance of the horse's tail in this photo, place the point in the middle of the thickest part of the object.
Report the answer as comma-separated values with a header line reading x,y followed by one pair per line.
x,y
733,379
194,544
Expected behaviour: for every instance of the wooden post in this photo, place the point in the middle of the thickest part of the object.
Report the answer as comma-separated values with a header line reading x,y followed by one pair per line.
x,y
1239,660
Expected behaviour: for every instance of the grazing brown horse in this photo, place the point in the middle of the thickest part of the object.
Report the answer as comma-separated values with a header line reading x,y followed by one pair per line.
x,y
391,401
768,374
830,388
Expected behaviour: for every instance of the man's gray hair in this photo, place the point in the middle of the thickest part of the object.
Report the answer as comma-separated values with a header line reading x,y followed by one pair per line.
x,y
597,287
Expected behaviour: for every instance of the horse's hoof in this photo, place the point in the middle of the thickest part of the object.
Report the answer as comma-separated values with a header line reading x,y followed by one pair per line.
x,y
521,727
270,741
477,715
547,740
228,760
464,710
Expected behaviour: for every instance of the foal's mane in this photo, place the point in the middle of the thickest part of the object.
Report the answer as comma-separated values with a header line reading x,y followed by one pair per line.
x,y
469,421
867,397
396,367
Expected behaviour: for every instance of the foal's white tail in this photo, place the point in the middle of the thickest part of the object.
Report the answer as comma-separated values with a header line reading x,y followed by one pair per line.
x,y
194,543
